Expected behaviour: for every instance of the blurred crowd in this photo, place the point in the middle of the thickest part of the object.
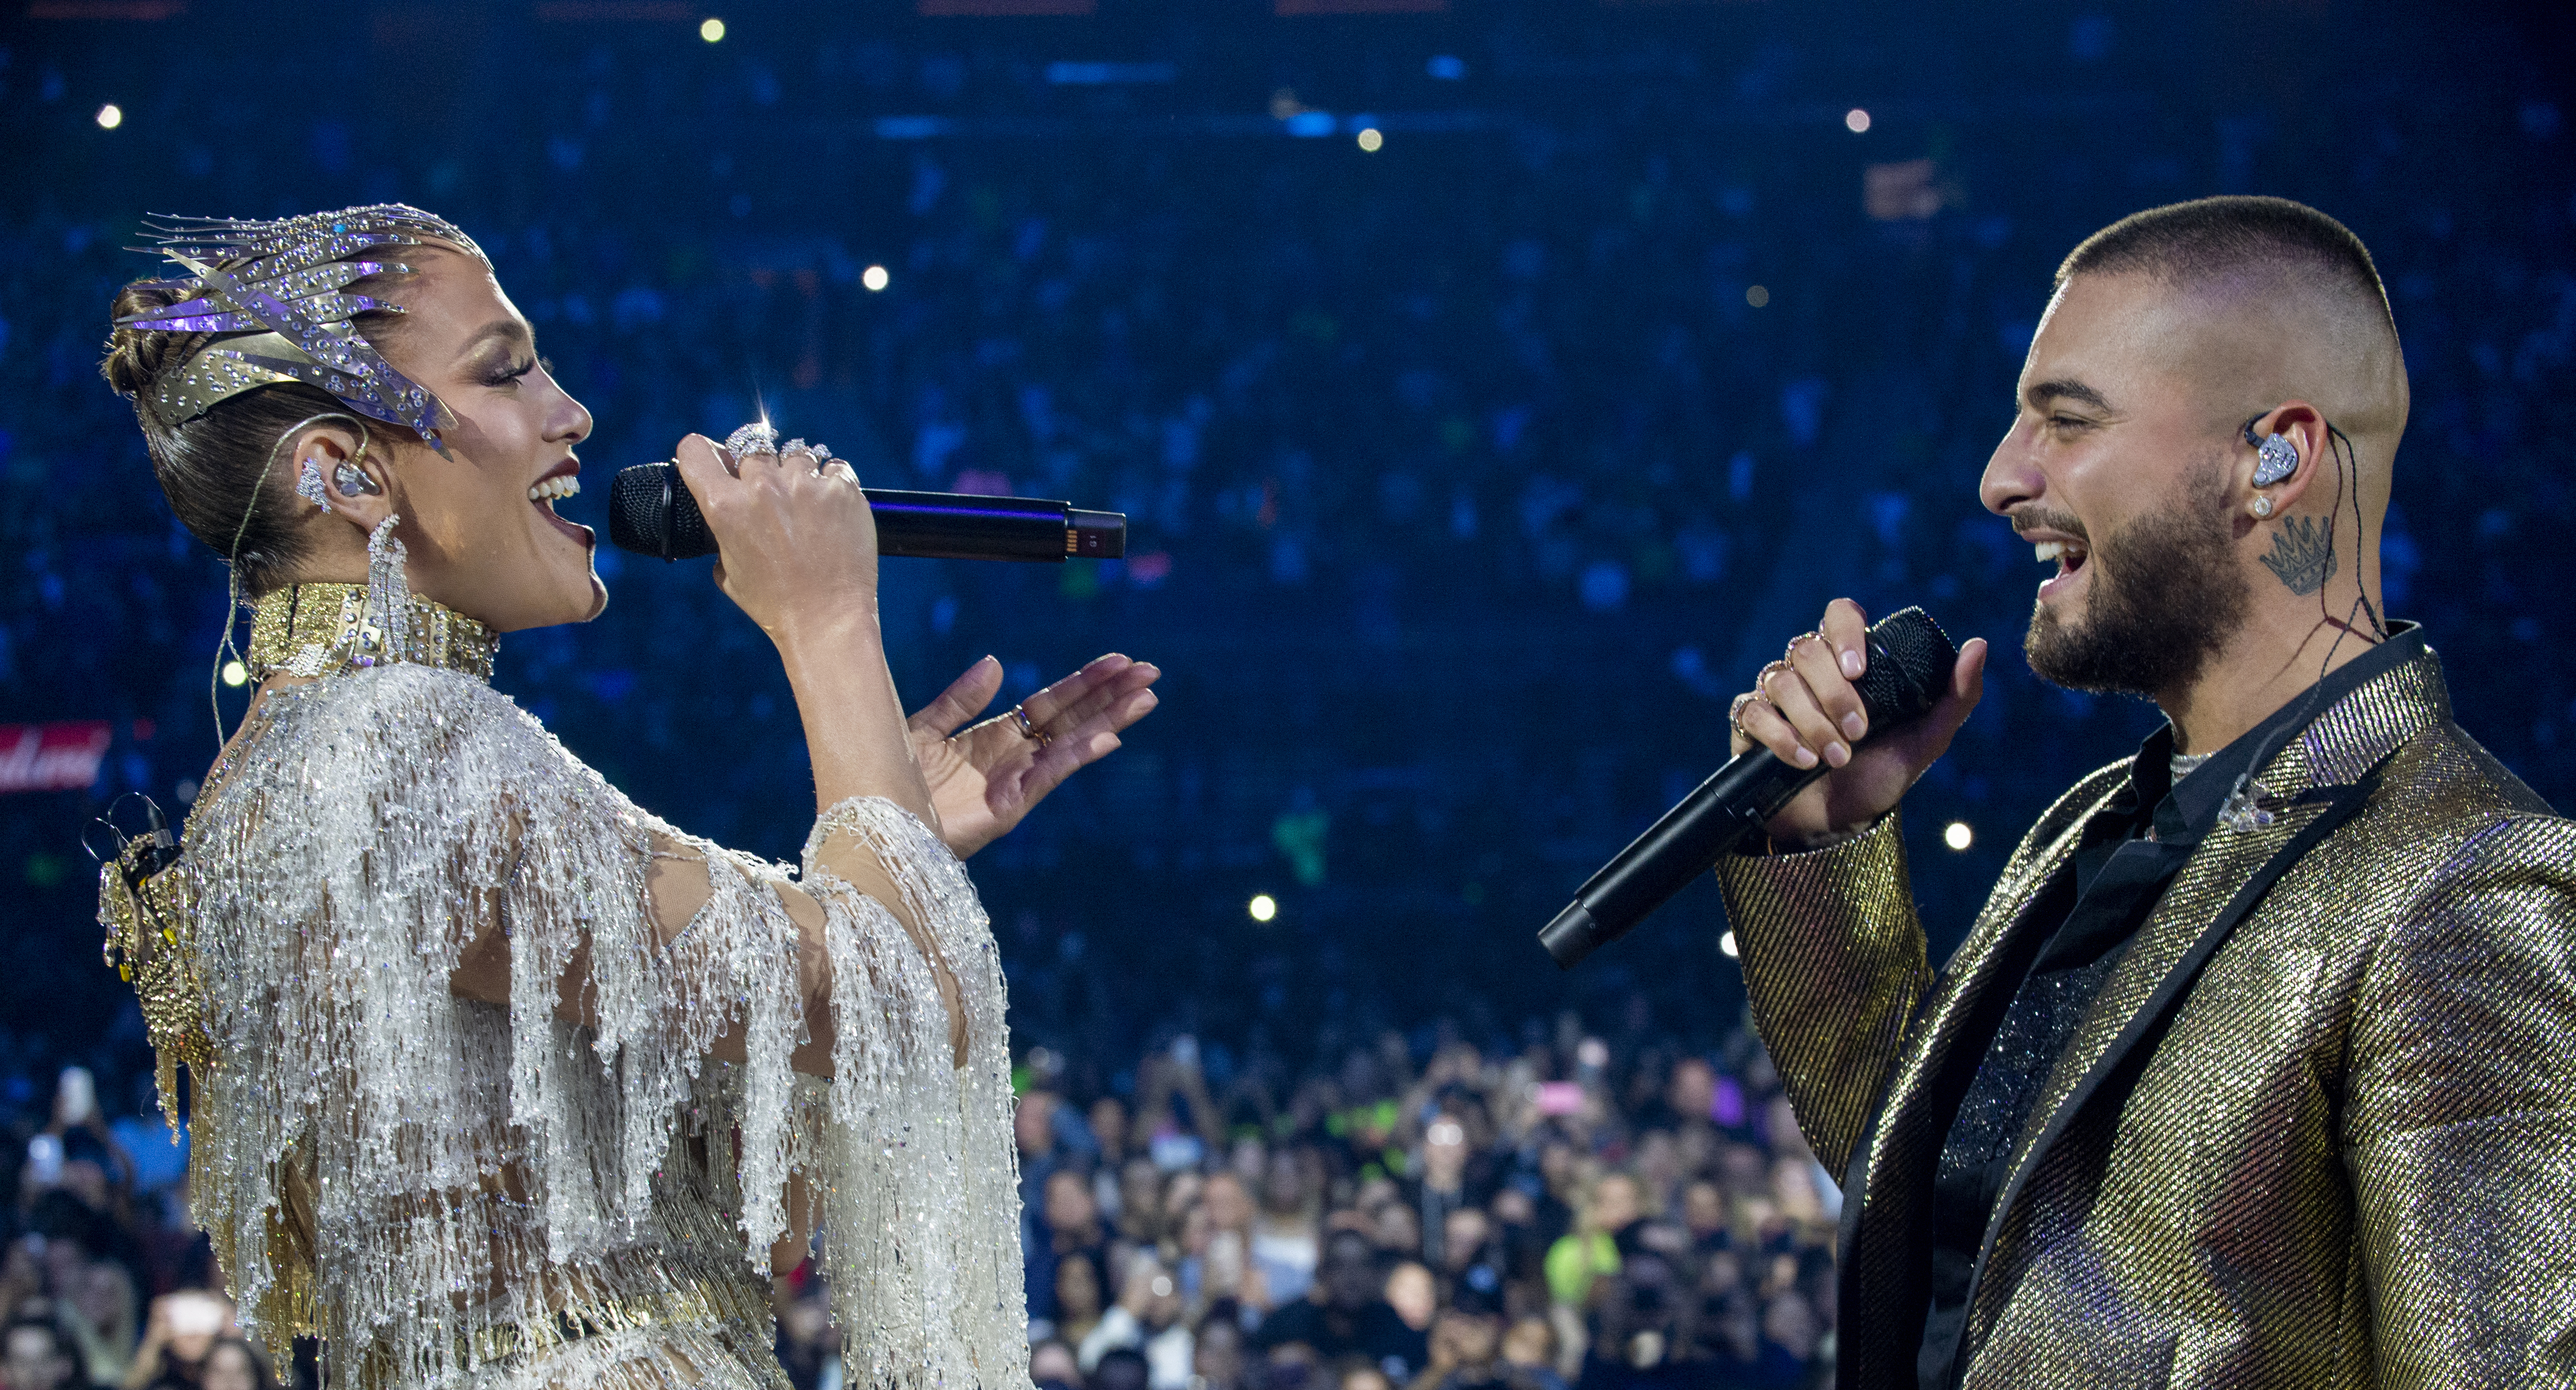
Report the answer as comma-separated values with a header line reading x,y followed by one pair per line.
x,y
1581,1212
1574,1214
1584,1213
105,1283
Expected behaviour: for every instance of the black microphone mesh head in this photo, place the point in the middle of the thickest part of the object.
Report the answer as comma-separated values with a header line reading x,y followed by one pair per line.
x,y
651,513
1910,660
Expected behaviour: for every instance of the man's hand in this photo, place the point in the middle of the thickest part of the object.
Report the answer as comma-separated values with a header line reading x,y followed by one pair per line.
x,y
983,780
1806,711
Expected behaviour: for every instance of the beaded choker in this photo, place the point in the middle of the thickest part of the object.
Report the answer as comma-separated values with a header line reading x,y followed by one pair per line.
x,y
322,629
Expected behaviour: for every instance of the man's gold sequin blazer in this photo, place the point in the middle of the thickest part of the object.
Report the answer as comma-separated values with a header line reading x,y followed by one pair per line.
x,y
2318,1129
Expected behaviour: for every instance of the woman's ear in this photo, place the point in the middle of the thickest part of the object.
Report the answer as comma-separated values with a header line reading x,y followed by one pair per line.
x,y
338,462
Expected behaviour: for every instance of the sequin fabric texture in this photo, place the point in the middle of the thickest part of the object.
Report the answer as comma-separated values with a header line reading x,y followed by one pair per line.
x,y
2317,1128
453,1193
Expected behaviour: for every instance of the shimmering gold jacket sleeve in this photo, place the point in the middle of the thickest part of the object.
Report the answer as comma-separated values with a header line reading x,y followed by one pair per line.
x,y
2459,1119
1834,960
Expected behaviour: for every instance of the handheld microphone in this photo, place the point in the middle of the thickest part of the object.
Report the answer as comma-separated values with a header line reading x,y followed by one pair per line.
x,y
651,512
1910,660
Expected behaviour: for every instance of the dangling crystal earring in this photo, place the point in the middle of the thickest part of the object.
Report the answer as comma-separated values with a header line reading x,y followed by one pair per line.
x,y
388,595
308,485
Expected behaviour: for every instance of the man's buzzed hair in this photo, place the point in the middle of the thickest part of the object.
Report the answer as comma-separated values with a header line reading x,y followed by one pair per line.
x,y
2210,239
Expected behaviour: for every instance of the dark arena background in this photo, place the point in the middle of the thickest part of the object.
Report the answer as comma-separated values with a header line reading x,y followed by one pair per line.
x,y
1491,385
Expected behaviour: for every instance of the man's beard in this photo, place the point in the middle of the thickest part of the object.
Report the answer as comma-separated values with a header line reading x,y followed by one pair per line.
x,y
2166,596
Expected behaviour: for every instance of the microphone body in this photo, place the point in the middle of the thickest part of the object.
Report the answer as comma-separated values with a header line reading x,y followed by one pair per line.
x,y
651,512
1910,660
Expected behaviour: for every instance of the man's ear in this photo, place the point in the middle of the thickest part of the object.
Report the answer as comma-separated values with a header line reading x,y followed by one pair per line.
x,y
2304,426
357,486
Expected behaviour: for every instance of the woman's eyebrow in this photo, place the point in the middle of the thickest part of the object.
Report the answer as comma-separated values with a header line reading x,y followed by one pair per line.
x,y
509,330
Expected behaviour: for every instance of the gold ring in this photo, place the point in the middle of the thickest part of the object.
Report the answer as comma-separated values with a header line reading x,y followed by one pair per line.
x,y
1790,652
1764,675
1735,714
1028,730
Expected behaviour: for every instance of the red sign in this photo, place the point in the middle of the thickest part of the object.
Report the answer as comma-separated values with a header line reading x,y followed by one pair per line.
x,y
52,757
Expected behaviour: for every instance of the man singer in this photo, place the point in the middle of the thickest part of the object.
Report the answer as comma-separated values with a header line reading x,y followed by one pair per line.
x,y
2259,1066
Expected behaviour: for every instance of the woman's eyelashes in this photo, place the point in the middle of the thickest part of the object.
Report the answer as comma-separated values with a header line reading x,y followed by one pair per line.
x,y
510,372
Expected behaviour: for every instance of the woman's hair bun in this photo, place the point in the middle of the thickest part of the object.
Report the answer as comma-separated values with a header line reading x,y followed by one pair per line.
x,y
136,356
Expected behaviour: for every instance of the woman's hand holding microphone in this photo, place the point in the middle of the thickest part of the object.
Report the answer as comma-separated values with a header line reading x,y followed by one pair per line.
x,y
797,552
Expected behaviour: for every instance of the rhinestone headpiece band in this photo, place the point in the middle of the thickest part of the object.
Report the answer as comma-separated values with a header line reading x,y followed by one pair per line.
x,y
277,291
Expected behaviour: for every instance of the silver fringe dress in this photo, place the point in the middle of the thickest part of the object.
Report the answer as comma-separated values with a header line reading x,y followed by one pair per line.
x,y
451,1193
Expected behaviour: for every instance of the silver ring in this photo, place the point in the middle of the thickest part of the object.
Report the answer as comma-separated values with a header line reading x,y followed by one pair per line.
x,y
758,437
821,454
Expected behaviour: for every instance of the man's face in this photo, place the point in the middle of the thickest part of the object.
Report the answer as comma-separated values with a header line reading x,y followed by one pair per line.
x,y
1033,1124
1615,1204
1463,1234
2116,469
1068,1203
1349,1274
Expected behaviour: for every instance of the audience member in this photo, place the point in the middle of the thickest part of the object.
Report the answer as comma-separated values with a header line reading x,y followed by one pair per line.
x,y
1351,1317
234,1364
35,1355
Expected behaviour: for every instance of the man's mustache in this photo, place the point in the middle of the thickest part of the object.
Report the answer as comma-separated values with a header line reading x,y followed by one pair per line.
x,y
2033,517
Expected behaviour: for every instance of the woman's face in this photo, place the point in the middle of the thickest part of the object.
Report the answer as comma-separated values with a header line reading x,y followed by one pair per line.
x,y
228,1368
1077,1289
479,541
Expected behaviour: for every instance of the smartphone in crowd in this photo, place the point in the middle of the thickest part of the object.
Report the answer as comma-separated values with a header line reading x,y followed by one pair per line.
x,y
194,1314
45,1159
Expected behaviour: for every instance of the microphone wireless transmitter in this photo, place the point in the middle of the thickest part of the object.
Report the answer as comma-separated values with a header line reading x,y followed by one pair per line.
x,y
1910,660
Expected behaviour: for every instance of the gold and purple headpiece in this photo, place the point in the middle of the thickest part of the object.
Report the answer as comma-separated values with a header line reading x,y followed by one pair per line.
x,y
277,291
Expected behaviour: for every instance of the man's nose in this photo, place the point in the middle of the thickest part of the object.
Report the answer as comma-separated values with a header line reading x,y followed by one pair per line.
x,y
2012,475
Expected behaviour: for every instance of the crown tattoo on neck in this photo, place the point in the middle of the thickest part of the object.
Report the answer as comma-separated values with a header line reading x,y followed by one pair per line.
x,y
2302,555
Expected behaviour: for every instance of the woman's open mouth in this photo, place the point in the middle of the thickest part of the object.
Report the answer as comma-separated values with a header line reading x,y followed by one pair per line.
x,y
543,496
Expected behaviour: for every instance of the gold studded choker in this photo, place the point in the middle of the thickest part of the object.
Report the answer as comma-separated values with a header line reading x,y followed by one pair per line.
x,y
323,629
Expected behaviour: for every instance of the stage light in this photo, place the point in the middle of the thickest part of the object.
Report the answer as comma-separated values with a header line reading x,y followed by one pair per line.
x,y
1726,944
111,116
1264,907
1757,295
874,277
1446,67
1856,120
1371,141
236,674
712,31
1958,835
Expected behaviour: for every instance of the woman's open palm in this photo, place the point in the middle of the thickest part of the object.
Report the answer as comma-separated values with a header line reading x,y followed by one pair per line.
x,y
984,779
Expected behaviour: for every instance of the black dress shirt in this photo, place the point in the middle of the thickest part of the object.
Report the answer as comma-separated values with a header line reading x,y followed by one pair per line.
x,y
2083,923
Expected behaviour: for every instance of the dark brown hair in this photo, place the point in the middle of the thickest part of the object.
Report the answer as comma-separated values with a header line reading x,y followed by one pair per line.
x,y
2209,238
215,468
